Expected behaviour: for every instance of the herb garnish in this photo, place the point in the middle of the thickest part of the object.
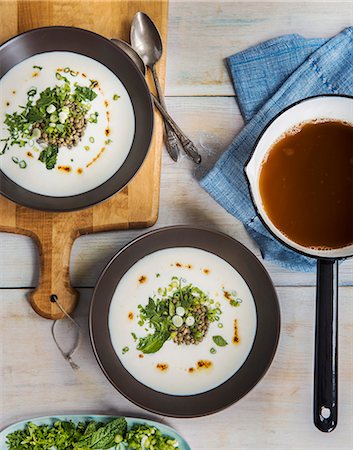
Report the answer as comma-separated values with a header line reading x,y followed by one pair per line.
x,y
49,156
37,67
220,341
84,93
181,312
56,118
89,435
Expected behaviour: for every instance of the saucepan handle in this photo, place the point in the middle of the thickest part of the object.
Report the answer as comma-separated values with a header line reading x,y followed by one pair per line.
x,y
326,346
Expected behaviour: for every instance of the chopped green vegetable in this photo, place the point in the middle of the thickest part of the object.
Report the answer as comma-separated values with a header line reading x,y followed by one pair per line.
x,y
104,437
15,159
91,139
48,156
93,118
213,350
134,336
37,67
116,97
57,117
141,437
220,341
85,93
179,312
125,350
22,164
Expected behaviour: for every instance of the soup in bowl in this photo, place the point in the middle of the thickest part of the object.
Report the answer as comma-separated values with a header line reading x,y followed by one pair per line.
x,y
76,119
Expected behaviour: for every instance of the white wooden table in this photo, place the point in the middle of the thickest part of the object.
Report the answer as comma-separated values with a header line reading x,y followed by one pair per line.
x,y
277,413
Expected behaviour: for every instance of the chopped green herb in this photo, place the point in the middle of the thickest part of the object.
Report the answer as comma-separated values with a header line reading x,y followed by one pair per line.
x,y
15,159
91,139
47,118
67,69
158,275
37,67
116,97
93,118
213,350
134,336
22,164
32,92
5,147
178,312
220,341
220,325
85,93
93,84
236,302
49,156
142,437
58,76
125,350
87,147
107,141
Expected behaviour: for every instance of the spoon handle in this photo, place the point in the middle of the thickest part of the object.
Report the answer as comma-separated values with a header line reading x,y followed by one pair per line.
x,y
188,145
171,140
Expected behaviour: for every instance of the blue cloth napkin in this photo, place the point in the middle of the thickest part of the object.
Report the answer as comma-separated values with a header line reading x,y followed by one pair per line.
x,y
267,78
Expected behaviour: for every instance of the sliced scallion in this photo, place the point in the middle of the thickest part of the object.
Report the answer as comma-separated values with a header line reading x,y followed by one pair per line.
x,y
22,164
32,92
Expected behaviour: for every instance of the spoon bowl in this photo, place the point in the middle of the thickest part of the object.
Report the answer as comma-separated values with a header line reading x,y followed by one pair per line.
x,y
145,38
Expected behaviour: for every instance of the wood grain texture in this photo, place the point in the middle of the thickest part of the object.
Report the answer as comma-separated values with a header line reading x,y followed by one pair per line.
x,y
275,415
137,205
203,33
211,122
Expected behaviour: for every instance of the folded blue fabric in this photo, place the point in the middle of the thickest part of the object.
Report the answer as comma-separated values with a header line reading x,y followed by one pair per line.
x,y
268,78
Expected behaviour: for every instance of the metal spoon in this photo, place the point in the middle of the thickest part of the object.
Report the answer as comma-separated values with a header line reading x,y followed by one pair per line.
x,y
147,42
141,65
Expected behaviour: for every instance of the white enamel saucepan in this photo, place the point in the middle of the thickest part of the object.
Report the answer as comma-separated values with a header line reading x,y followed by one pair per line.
x,y
331,107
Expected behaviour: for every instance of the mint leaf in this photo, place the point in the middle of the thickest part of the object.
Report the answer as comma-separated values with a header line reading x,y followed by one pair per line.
x,y
153,342
104,437
218,340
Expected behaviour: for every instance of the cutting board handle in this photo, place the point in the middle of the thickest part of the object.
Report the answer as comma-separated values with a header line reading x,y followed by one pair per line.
x,y
54,244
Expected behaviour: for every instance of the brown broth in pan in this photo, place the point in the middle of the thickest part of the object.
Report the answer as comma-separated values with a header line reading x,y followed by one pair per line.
x,y
306,184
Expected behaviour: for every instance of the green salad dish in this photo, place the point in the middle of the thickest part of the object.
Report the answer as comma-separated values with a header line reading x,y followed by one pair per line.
x,y
97,432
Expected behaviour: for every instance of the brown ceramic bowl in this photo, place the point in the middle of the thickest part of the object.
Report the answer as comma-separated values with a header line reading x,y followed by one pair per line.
x,y
259,358
93,45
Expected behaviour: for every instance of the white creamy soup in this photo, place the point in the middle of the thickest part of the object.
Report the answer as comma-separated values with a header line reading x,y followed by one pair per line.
x,y
161,296
49,90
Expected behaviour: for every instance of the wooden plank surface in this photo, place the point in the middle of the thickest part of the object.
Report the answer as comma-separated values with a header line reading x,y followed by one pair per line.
x,y
277,414
211,122
136,206
213,30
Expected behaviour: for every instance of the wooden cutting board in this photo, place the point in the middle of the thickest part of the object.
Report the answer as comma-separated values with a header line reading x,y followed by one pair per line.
x,y
137,205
